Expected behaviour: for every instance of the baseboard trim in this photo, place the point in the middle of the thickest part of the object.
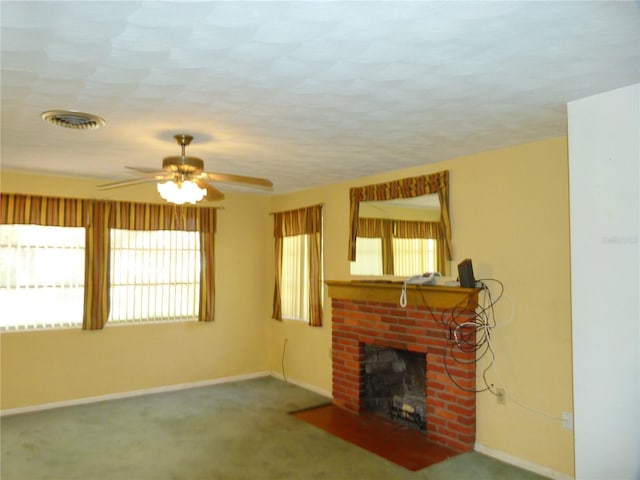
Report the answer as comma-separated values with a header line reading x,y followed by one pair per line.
x,y
306,386
521,463
132,393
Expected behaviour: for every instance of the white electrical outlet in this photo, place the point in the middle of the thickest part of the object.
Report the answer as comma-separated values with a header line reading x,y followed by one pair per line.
x,y
567,420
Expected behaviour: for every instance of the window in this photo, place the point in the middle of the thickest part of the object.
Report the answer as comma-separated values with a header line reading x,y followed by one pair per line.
x,y
368,258
397,247
41,276
155,275
298,265
413,256
156,262
295,278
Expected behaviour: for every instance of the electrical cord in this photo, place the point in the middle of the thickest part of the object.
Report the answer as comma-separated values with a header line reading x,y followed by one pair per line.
x,y
489,314
284,348
472,334
517,401
468,333
403,295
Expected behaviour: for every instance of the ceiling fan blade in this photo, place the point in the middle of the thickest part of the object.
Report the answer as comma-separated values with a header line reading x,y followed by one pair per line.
x,y
229,178
212,192
126,183
146,170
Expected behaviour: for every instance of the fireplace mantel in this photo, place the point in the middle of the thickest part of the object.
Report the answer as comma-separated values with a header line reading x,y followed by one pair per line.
x,y
441,297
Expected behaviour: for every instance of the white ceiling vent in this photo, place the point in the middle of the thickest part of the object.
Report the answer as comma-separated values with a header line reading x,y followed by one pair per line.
x,y
72,119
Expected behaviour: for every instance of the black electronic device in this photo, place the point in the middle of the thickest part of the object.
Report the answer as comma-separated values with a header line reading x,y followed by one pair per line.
x,y
465,274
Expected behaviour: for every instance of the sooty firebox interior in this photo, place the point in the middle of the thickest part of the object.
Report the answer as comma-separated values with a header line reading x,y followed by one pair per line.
x,y
395,384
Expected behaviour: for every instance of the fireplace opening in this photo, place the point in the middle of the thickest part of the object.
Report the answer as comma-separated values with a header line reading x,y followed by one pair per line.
x,y
395,385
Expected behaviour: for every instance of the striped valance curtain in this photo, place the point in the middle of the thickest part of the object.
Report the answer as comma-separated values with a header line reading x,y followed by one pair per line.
x,y
74,212
21,209
98,216
375,228
301,221
371,227
404,188
151,216
415,229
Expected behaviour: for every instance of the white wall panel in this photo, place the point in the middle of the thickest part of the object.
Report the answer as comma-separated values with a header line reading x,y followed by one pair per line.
x,y
604,154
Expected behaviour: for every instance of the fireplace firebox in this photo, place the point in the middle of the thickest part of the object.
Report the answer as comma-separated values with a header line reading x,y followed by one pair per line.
x,y
395,385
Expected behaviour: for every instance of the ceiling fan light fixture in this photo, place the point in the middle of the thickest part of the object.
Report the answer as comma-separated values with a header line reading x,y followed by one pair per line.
x,y
180,193
73,119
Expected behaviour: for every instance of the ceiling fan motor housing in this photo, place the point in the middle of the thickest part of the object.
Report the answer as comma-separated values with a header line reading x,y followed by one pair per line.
x,y
183,164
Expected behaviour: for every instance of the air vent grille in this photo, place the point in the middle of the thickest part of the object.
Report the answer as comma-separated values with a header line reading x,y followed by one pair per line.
x,y
72,119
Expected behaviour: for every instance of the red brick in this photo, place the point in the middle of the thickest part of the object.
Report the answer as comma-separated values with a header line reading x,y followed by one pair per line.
x,y
435,366
458,446
433,387
467,401
416,348
440,378
416,331
468,439
447,397
467,421
351,349
461,385
436,437
435,420
398,328
465,411
381,310
444,413
459,429
458,371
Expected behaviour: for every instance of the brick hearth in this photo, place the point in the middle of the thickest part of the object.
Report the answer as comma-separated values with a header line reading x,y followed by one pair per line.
x,y
358,320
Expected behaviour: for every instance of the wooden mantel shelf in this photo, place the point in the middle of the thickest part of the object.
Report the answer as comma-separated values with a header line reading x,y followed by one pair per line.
x,y
441,297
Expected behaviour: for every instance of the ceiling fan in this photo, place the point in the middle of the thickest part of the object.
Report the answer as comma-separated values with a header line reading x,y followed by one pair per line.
x,y
184,177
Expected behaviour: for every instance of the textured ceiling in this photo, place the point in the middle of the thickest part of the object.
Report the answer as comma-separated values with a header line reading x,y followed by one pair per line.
x,y
302,93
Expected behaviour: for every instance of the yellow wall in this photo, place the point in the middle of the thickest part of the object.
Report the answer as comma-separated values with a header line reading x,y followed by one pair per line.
x,y
510,215
56,365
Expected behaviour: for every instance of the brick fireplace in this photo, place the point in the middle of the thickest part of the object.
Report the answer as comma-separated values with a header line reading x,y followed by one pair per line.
x,y
366,313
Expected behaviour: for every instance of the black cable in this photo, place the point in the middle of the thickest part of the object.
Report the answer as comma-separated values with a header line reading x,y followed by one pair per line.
x,y
284,347
446,368
471,334
468,333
